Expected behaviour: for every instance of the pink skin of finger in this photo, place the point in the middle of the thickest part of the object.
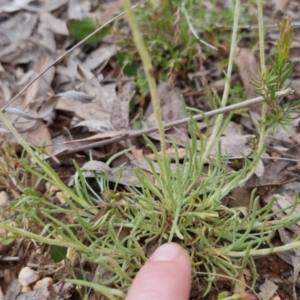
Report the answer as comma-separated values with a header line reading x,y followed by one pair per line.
x,y
165,276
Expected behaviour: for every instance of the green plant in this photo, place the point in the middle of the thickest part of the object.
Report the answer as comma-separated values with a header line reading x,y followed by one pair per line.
x,y
178,201
167,37
273,78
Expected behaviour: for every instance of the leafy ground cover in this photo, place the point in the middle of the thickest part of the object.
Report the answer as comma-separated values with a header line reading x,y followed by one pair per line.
x,y
98,169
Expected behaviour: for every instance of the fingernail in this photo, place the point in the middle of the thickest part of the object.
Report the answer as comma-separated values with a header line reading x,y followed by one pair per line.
x,y
166,252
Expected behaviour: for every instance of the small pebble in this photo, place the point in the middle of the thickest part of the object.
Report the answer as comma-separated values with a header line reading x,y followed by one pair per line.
x,y
25,289
4,199
43,283
28,276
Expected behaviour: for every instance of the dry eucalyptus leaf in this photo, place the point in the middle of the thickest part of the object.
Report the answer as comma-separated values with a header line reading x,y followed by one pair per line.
x,y
171,108
119,117
43,84
292,257
274,174
99,56
268,289
100,107
248,70
20,52
248,67
78,9
235,144
39,135
19,26
13,290
14,5
32,116
87,111
55,25
45,5
124,175
59,291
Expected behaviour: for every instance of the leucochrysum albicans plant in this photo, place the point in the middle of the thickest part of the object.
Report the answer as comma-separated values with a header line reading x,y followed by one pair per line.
x,y
178,199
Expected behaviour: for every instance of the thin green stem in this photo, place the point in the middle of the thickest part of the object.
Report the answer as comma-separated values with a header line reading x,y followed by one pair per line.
x,y
263,127
258,252
219,121
149,74
261,34
44,240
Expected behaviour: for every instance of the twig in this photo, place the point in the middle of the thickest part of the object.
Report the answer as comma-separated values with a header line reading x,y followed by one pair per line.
x,y
193,31
64,54
9,258
294,25
198,117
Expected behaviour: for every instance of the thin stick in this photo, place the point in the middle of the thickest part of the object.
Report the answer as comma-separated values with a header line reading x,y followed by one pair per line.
x,y
63,55
198,117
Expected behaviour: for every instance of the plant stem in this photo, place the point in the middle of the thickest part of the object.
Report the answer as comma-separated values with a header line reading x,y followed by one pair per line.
x,y
262,129
149,72
44,240
219,121
261,36
258,252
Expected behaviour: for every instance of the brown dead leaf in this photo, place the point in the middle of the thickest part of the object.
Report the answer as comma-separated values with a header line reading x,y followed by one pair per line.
x,y
55,25
124,175
12,6
18,26
276,173
108,11
268,289
20,52
238,197
38,135
99,56
234,143
285,199
171,109
78,9
100,108
171,152
248,70
13,290
43,84
279,192
61,288
119,117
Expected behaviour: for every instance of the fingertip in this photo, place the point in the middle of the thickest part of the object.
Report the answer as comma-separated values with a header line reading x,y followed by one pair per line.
x,y
166,275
